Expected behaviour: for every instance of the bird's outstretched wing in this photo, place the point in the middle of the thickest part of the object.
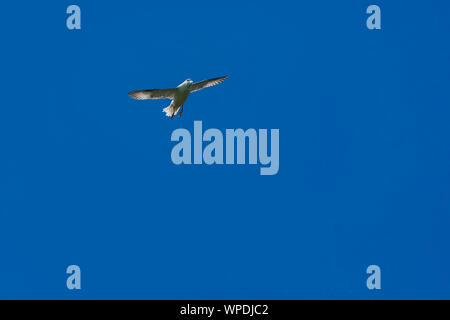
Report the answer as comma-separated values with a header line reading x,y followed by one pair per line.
x,y
207,83
153,94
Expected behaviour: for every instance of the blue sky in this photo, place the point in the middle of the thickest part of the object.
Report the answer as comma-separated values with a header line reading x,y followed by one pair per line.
x,y
86,176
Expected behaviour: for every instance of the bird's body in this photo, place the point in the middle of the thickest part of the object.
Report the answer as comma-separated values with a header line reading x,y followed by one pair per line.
x,y
183,91
178,95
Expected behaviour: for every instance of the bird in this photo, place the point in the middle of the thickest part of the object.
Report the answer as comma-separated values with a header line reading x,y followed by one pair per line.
x,y
178,95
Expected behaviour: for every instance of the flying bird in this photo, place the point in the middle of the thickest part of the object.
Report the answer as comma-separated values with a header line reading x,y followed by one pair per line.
x,y
178,95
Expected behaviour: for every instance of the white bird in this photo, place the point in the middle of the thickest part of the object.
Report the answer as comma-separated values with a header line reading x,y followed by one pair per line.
x,y
178,95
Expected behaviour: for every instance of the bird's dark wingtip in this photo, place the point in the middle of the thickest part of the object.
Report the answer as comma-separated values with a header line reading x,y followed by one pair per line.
x,y
132,94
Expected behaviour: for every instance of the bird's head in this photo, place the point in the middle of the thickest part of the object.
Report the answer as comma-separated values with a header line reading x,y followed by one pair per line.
x,y
189,82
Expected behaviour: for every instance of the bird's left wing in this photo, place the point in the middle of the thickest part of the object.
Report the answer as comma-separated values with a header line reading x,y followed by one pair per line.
x,y
207,83
153,94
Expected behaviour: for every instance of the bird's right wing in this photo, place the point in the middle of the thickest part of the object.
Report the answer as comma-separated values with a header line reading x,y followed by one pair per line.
x,y
153,94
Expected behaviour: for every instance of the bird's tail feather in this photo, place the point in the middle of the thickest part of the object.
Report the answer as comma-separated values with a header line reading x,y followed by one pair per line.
x,y
170,110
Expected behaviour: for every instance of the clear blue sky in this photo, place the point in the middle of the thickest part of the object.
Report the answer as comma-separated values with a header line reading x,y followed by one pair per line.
x,y
86,176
